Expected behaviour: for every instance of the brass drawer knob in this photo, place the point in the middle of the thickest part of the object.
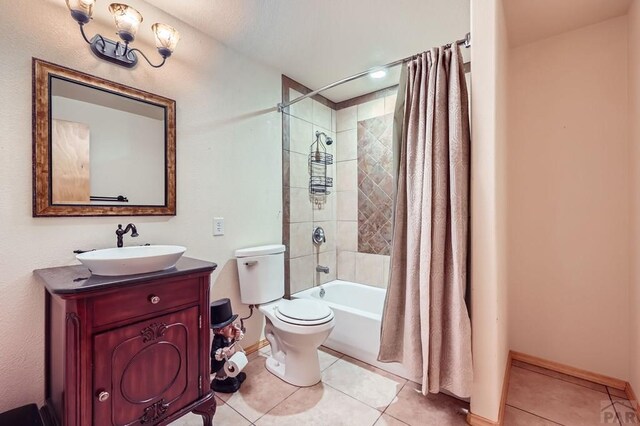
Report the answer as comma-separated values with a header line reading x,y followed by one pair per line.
x,y
103,396
154,299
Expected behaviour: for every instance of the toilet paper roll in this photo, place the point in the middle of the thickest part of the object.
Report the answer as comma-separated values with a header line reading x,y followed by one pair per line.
x,y
235,364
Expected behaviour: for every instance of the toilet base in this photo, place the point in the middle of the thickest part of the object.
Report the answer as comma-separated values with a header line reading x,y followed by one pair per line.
x,y
306,376
275,367
294,347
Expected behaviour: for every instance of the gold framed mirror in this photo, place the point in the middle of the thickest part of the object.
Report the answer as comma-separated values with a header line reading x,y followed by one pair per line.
x,y
100,148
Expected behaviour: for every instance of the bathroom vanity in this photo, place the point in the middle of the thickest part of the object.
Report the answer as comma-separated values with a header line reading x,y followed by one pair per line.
x,y
127,350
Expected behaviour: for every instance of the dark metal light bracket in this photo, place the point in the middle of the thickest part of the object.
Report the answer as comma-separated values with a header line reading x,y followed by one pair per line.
x,y
114,52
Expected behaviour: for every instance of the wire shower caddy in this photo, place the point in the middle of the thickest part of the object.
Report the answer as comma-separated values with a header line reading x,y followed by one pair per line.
x,y
319,160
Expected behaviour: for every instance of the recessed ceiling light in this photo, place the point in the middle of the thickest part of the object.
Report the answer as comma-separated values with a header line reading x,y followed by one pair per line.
x,y
378,74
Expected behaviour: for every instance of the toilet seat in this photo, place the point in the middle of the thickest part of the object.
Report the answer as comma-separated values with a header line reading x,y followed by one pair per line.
x,y
303,312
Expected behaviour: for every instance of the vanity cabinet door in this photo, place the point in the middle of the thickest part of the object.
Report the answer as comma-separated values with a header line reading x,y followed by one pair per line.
x,y
146,371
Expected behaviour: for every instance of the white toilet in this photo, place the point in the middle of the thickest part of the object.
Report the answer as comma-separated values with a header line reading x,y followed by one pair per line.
x,y
294,328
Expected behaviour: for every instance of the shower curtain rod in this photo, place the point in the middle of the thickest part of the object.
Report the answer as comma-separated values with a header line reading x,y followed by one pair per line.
x,y
466,41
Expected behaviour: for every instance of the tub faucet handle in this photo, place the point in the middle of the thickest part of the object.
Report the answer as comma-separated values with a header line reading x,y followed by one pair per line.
x,y
318,235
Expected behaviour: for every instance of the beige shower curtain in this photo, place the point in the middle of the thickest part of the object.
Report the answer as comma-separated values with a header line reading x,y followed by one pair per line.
x,y
426,324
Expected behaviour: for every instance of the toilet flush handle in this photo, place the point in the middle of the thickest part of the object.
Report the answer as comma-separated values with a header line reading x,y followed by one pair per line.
x,y
251,263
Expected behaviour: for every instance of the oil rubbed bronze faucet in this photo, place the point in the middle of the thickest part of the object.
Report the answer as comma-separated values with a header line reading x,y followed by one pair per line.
x,y
120,232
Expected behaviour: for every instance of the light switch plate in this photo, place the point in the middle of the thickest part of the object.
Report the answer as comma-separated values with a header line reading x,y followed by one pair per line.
x,y
218,226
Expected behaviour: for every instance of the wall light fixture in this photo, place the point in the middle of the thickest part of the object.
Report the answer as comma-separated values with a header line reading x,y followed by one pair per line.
x,y
127,21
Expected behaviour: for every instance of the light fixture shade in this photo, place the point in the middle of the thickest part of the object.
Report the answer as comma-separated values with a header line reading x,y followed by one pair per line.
x,y
167,38
127,20
81,10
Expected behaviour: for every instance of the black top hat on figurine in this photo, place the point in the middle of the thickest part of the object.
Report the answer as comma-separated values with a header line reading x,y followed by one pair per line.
x,y
221,313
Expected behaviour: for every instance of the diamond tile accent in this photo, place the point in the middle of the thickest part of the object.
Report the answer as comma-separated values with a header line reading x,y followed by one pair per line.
x,y
375,184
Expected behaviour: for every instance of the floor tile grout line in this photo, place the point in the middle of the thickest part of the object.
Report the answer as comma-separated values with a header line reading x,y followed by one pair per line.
x,y
263,414
297,389
234,410
396,395
566,381
274,407
393,417
376,420
387,407
240,414
332,363
356,399
535,415
384,372
392,399
615,410
338,390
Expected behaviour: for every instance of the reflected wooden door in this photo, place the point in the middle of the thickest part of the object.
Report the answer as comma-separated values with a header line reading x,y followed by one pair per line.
x,y
70,162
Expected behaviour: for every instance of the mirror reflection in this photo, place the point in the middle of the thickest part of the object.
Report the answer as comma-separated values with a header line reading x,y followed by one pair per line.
x,y
106,148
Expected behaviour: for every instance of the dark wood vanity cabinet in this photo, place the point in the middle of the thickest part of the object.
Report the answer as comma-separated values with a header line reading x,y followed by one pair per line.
x,y
147,370
128,350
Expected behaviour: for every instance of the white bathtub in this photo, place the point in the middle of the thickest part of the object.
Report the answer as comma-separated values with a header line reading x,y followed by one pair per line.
x,y
358,314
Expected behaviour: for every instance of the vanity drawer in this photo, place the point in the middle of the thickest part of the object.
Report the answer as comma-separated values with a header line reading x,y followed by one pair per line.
x,y
142,300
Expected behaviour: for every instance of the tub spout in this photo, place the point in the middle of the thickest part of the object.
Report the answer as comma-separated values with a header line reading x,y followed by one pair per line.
x,y
324,269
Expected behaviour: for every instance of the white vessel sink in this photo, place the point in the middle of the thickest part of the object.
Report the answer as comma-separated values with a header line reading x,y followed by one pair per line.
x,y
131,260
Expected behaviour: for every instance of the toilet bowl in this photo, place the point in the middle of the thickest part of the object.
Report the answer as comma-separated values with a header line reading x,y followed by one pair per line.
x,y
295,331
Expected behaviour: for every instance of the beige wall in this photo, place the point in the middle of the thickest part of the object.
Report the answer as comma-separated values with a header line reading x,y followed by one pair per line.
x,y
550,200
634,198
568,190
488,150
228,164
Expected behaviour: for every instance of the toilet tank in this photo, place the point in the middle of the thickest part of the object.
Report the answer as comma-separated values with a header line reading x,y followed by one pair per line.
x,y
261,273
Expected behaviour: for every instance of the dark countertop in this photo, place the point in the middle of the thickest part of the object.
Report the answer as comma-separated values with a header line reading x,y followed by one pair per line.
x,y
77,279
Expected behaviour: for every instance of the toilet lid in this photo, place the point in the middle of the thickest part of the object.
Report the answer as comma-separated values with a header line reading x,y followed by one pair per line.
x,y
304,312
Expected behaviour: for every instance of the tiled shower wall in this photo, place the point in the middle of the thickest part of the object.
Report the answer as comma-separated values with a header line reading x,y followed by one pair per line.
x,y
357,260
356,215
304,119
375,184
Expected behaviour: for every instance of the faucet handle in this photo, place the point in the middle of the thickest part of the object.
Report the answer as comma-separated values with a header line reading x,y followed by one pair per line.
x,y
318,235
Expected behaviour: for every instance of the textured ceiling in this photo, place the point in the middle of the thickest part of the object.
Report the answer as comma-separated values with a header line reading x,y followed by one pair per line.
x,y
319,41
531,20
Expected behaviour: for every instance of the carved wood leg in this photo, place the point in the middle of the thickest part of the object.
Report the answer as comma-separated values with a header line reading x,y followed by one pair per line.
x,y
206,410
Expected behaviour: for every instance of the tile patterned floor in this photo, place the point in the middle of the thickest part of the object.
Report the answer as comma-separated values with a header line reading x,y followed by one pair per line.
x,y
351,393
538,396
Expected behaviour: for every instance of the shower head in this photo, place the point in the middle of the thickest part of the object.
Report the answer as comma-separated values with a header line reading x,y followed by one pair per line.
x,y
327,138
